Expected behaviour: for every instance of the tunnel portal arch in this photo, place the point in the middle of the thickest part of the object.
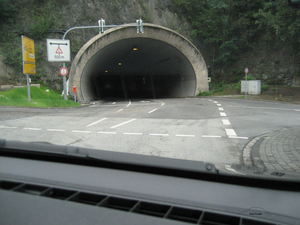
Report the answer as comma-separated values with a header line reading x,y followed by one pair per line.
x,y
122,63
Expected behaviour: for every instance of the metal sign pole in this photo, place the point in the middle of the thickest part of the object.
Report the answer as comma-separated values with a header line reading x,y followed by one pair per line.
x,y
65,84
28,87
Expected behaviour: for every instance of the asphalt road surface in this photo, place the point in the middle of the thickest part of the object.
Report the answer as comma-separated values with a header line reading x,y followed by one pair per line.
x,y
213,129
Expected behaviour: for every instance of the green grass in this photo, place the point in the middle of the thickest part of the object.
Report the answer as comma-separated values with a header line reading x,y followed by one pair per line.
x,y
221,88
39,98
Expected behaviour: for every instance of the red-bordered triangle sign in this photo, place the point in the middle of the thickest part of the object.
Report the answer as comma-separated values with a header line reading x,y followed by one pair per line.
x,y
59,51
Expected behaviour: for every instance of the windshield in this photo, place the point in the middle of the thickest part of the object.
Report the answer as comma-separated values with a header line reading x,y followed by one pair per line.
x,y
212,81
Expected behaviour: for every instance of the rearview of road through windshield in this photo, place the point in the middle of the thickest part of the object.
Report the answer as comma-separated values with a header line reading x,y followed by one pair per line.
x,y
210,129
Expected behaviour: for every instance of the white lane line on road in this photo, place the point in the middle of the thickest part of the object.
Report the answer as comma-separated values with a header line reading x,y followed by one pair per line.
x,y
128,104
81,131
219,105
59,130
211,136
221,109
96,122
7,127
226,122
162,104
159,134
113,103
119,110
230,132
153,110
104,132
215,102
133,133
238,137
297,110
228,167
118,125
185,135
31,128
222,114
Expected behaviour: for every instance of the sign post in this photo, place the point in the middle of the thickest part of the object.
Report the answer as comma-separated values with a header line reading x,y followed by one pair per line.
x,y
28,57
246,87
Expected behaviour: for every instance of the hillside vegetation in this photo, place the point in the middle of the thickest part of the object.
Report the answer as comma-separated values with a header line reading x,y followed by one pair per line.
x,y
231,35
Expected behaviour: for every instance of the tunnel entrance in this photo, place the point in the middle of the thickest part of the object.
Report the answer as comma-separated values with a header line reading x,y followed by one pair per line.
x,y
122,64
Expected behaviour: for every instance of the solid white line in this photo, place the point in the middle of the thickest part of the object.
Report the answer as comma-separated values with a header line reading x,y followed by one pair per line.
x,y
237,137
185,135
230,132
219,105
159,134
119,110
7,127
81,131
153,110
133,133
55,130
128,104
215,102
96,122
226,122
222,114
103,132
123,123
221,109
211,136
30,128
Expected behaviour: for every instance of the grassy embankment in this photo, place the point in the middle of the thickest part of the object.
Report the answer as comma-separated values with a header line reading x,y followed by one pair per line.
x,y
39,98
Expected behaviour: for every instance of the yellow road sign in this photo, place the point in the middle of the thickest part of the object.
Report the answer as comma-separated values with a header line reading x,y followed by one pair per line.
x,y
28,50
28,68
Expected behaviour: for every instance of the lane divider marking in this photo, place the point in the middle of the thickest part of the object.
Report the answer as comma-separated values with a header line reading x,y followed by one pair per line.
x,y
104,132
7,127
96,122
59,130
159,134
153,110
185,135
128,104
81,131
211,136
222,114
226,122
31,128
118,125
221,109
219,105
133,133
119,110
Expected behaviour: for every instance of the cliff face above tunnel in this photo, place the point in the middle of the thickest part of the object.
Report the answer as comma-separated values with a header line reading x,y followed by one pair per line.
x,y
122,63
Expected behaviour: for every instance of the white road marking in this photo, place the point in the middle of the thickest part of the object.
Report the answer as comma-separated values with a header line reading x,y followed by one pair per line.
x,y
59,130
185,135
104,132
297,110
31,128
162,104
113,103
81,131
226,122
133,133
238,137
96,122
221,109
211,136
159,134
119,110
153,110
228,167
7,127
128,104
230,132
219,105
222,114
215,102
123,123
210,100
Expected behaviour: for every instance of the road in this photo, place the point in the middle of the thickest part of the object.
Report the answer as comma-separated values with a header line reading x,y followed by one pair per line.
x,y
213,129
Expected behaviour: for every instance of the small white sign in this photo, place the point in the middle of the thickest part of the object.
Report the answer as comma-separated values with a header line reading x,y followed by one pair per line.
x,y
58,50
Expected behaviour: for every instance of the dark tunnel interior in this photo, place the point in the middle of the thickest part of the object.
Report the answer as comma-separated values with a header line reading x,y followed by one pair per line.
x,y
137,68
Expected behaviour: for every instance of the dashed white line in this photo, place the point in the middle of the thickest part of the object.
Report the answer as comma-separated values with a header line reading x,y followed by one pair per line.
x,y
31,128
185,135
159,134
222,114
59,130
211,136
153,110
221,109
119,110
238,137
104,132
219,105
215,102
123,123
96,122
230,132
7,127
133,133
226,122
81,131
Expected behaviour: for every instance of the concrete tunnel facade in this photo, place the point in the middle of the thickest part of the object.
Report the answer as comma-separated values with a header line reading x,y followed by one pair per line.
x,y
124,64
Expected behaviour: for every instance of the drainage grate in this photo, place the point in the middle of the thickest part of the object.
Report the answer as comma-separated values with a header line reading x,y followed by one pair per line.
x,y
193,216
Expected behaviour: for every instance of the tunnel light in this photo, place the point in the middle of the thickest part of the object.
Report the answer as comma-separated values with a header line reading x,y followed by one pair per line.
x,y
120,64
106,71
134,49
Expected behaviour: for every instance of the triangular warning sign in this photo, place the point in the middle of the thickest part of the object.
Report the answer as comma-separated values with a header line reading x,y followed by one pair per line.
x,y
59,51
